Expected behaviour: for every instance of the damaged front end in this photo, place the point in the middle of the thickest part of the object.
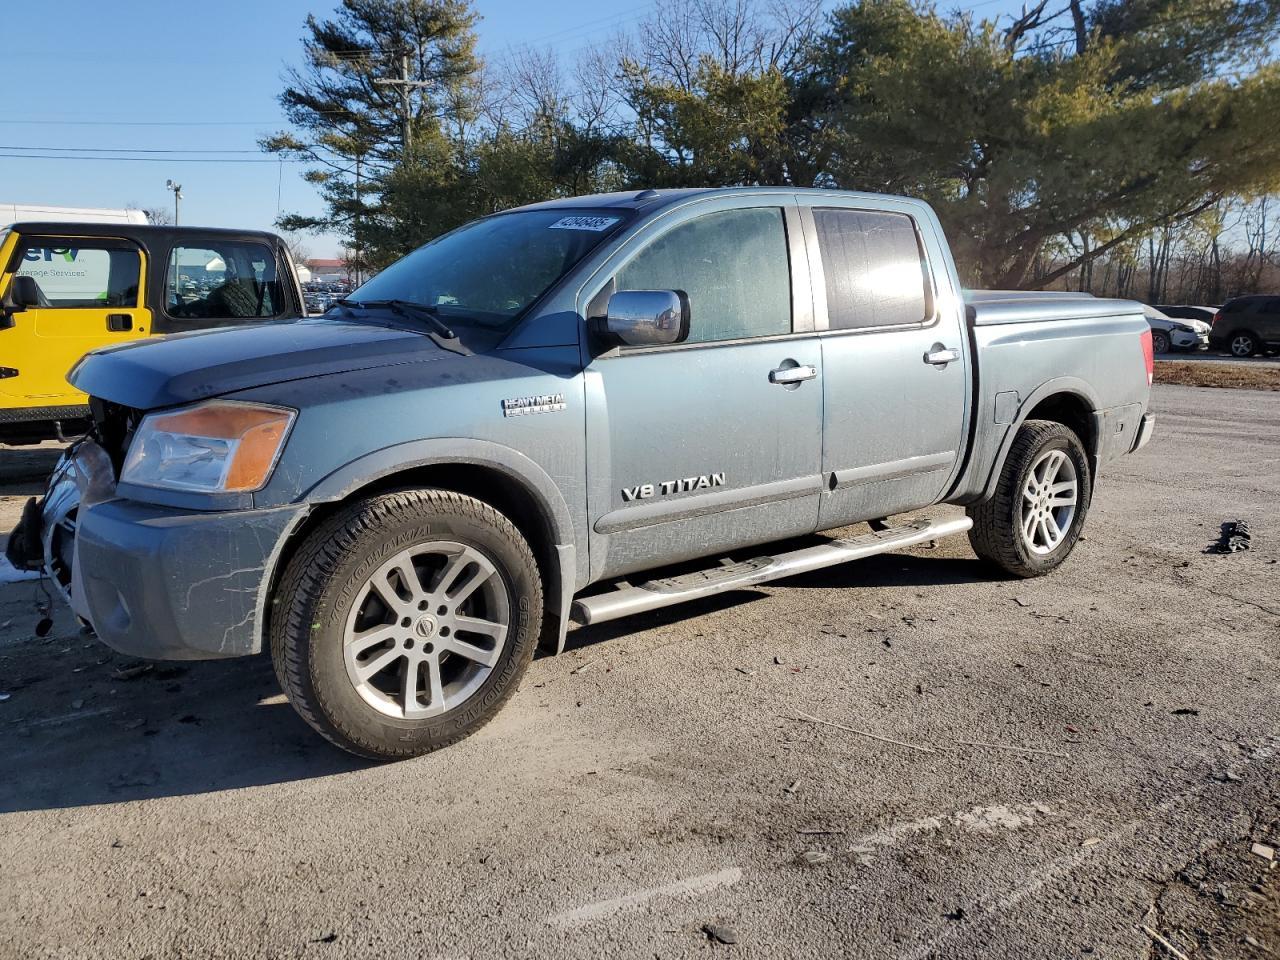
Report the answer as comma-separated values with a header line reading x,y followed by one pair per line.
x,y
44,539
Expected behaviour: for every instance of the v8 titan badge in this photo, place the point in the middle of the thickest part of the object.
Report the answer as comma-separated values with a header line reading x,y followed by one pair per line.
x,y
646,491
525,406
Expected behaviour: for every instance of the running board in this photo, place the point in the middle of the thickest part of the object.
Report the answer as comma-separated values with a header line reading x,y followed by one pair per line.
x,y
704,583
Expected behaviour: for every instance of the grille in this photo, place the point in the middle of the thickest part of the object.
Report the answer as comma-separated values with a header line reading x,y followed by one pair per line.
x,y
113,427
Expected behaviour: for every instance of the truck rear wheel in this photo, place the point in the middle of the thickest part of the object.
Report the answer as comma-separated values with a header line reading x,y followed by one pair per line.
x,y
1033,522
405,622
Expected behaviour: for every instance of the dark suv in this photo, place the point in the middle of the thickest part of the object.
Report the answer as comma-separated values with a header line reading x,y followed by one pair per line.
x,y
1247,325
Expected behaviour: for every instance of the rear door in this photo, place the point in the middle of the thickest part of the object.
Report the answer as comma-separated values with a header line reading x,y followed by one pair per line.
x,y
894,356
715,443
89,289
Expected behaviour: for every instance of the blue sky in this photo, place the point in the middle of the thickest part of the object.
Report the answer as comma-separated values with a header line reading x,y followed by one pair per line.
x,y
195,76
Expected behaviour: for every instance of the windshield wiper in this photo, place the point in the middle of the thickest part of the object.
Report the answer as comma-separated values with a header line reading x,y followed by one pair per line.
x,y
408,309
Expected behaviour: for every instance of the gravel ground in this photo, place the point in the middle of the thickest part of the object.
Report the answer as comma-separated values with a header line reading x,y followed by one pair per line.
x,y
1081,767
1213,356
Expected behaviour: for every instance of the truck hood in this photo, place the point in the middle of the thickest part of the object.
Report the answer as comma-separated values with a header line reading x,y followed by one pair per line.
x,y
183,368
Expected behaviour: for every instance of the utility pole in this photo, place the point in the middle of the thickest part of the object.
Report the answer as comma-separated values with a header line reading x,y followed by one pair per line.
x,y
356,232
177,195
406,105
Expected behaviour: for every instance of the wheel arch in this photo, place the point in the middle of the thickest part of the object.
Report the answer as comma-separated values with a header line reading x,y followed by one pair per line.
x,y
1066,400
503,478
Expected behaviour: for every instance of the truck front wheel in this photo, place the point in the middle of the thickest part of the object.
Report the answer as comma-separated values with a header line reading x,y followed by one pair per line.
x,y
1033,522
404,622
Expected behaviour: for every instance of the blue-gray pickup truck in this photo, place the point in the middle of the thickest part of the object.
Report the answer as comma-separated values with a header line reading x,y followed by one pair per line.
x,y
502,432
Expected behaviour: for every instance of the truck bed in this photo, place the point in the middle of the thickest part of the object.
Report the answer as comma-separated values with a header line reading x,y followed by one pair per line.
x,y
992,307
1083,351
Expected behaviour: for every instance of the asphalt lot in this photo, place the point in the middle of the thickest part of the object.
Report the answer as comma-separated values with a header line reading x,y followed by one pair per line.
x,y
1076,758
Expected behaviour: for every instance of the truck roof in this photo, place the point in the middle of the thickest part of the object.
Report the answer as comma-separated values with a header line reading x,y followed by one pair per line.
x,y
654,198
627,199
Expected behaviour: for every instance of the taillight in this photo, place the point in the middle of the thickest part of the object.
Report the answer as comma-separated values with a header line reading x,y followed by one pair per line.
x,y
1216,317
1148,355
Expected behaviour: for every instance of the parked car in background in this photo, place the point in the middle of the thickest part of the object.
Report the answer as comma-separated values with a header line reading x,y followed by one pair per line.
x,y
69,288
1168,334
1186,311
1247,325
511,425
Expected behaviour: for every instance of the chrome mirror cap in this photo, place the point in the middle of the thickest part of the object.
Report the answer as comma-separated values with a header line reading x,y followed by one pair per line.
x,y
645,318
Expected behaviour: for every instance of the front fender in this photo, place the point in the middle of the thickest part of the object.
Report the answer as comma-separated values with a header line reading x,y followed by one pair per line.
x,y
371,467
572,568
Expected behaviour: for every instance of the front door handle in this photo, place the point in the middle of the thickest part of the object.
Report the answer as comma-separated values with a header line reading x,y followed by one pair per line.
x,y
940,356
119,322
796,374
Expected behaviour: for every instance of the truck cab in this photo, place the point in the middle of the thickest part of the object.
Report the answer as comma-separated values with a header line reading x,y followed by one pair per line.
x,y
69,288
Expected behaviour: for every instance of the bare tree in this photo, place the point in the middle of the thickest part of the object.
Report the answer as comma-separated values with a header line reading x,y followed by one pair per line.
x,y
160,216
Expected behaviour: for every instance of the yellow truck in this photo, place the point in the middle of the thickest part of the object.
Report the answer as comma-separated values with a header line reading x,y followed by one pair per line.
x,y
70,288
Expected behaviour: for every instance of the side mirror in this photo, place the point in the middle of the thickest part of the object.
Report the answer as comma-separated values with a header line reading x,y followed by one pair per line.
x,y
25,292
646,318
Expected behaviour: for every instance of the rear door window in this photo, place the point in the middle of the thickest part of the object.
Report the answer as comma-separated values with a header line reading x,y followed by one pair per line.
x,y
874,268
223,280
734,268
75,273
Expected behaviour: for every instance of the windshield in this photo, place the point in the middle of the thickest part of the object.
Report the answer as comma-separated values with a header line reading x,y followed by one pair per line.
x,y
490,271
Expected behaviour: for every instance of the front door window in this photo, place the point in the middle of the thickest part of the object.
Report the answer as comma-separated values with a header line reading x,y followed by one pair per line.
x,y
733,267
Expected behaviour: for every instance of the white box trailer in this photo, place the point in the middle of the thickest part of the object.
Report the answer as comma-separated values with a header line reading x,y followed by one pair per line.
x,y
44,213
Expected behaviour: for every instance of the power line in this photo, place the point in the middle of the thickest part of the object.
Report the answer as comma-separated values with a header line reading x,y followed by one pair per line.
x,y
120,150
147,123
55,156
592,26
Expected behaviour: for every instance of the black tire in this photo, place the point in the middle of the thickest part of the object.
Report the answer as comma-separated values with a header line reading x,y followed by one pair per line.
x,y
1242,343
1160,342
325,578
996,535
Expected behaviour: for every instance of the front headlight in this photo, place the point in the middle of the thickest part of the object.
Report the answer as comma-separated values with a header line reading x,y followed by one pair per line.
x,y
219,446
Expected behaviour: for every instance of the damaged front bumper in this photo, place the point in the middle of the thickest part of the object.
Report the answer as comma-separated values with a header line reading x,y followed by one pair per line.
x,y
153,581
173,584
44,539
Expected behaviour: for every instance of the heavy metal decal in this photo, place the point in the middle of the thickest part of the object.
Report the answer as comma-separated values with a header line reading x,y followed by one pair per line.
x,y
524,406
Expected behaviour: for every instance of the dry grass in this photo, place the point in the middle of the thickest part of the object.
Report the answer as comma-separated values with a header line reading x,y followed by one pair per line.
x,y
1200,374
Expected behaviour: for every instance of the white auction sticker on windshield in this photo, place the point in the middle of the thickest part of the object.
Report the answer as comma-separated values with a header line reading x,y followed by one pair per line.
x,y
584,223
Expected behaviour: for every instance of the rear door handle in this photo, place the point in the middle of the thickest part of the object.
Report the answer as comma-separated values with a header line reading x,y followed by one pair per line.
x,y
940,356
796,374
119,322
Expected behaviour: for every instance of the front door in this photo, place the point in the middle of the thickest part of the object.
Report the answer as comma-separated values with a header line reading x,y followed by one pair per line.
x,y
895,363
715,443
87,295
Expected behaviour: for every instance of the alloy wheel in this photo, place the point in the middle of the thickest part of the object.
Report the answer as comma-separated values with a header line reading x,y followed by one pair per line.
x,y
1048,502
427,629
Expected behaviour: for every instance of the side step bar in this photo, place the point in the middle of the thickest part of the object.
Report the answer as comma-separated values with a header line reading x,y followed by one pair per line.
x,y
704,583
